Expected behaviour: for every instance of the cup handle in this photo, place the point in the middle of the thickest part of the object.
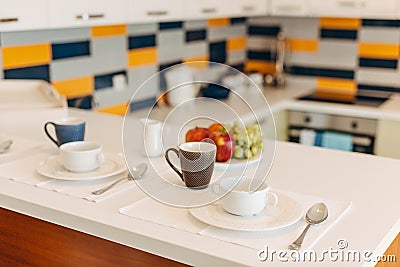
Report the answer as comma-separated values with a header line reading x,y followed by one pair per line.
x,y
100,158
48,134
271,199
170,164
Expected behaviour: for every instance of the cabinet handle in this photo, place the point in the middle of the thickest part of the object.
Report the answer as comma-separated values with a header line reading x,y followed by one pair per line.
x,y
248,8
157,13
288,8
209,10
87,16
6,20
344,3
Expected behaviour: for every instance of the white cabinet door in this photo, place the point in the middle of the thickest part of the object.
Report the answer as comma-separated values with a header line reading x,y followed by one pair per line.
x,y
290,7
22,14
67,13
380,9
196,9
155,10
335,8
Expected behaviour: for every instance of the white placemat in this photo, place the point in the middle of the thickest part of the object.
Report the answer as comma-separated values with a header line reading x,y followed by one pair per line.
x,y
24,170
150,210
20,147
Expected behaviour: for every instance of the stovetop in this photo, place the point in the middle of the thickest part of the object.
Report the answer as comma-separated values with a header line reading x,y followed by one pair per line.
x,y
361,100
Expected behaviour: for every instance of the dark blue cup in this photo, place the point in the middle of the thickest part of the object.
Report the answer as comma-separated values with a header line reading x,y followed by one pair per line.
x,y
66,130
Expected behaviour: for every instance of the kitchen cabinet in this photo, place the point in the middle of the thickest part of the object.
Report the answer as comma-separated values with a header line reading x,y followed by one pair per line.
x,y
387,142
207,8
249,8
290,7
74,13
154,10
22,15
281,125
354,8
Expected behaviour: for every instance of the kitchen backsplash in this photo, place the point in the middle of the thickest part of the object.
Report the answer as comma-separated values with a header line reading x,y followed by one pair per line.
x,y
347,54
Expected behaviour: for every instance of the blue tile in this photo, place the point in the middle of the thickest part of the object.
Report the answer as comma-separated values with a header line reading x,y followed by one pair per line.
x,y
67,50
377,88
105,80
36,72
332,73
264,30
261,55
378,63
170,25
141,41
196,35
239,67
240,20
217,52
381,23
338,34
146,103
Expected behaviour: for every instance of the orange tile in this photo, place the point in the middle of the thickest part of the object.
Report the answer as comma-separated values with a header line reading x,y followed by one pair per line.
x,y
197,62
264,67
340,23
142,56
119,109
303,45
25,56
77,87
112,30
219,22
384,51
332,88
237,43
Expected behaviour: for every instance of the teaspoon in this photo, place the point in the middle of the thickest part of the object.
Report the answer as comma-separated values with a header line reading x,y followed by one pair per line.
x,y
137,172
315,215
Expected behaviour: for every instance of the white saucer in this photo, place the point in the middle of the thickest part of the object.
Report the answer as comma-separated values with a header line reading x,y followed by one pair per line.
x,y
237,162
112,165
287,212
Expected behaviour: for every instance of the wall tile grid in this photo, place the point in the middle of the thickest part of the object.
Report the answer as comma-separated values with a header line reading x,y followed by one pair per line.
x,y
347,55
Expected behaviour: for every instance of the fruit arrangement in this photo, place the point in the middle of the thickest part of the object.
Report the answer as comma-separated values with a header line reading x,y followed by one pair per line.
x,y
231,140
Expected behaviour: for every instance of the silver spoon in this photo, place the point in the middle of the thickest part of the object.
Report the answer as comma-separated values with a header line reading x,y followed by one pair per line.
x,y
5,146
137,172
315,215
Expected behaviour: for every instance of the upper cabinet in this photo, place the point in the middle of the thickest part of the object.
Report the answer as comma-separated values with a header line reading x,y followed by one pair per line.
x,y
249,7
155,10
198,9
355,8
23,14
290,7
74,13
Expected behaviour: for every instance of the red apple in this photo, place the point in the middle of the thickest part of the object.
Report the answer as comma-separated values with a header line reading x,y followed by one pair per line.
x,y
225,145
197,134
217,127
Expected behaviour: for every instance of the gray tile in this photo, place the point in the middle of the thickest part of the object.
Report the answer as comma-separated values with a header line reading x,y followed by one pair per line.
x,y
70,68
236,57
222,33
109,54
110,97
196,49
139,29
378,77
261,43
302,28
143,83
331,54
379,35
45,36
195,24
170,46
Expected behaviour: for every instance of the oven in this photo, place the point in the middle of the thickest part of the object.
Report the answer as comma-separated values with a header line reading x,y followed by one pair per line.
x,y
361,131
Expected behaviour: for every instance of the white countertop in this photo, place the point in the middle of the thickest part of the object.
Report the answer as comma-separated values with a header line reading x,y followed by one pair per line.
x,y
370,182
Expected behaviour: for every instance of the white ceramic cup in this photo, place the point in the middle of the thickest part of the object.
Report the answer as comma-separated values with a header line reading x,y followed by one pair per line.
x,y
152,137
244,200
81,156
